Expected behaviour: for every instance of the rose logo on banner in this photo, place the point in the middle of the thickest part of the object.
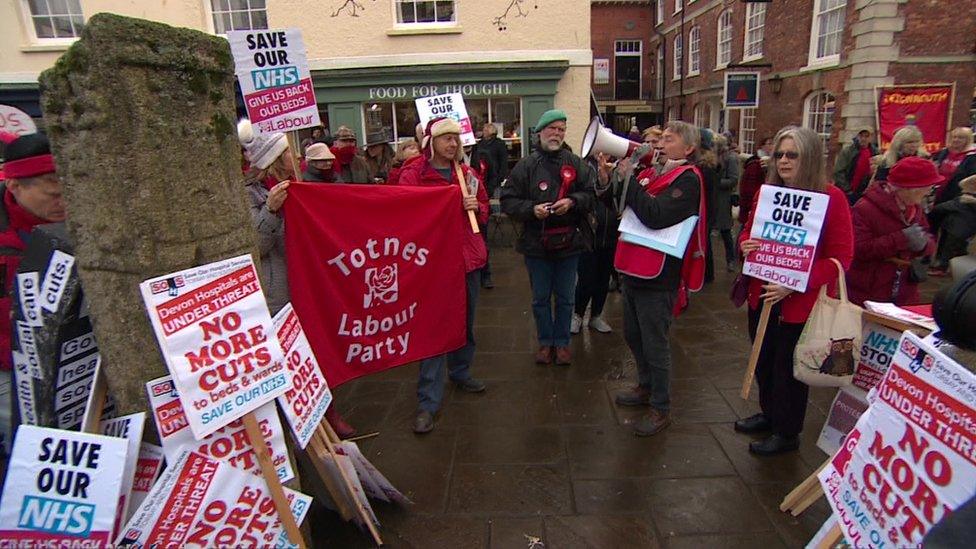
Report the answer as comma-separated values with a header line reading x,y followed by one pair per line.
x,y
381,286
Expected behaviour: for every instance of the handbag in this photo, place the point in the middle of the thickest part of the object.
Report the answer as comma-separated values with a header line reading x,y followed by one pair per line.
x,y
826,354
739,293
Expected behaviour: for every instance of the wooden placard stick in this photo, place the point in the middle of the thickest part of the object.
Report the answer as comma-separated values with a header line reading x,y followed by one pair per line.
x,y
466,193
802,489
811,497
296,151
319,455
271,477
832,538
756,348
324,432
99,396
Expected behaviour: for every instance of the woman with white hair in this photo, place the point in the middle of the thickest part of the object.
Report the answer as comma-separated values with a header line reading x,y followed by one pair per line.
x,y
798,163
906,142
956,162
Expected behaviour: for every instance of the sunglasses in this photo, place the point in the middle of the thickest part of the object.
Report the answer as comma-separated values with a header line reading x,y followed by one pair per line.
x,y
792,155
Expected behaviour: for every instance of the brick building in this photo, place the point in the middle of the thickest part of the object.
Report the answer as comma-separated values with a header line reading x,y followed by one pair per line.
x,y
820,60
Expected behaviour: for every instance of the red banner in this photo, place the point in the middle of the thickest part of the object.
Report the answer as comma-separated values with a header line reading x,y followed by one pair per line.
x,y
926,107
376,274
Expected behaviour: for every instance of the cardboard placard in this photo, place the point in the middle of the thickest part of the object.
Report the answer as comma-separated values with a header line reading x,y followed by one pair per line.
x,y
449,105
787,225
847,407
216,335
305,404
128,428
272,69
62,486
148,467
202,502
229,443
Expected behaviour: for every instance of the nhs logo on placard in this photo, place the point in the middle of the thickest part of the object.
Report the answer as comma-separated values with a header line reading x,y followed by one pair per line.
x,y
56,516
274,77
784,233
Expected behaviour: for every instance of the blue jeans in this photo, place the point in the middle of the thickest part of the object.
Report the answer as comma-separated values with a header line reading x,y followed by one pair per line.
x,y
548,277
430,385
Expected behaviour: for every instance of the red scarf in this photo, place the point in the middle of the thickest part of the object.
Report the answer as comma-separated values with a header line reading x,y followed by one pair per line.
x,y
19,219
344,156
861,169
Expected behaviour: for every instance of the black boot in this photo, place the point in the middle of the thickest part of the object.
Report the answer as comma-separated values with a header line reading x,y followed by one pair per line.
x,y
774,444
758,423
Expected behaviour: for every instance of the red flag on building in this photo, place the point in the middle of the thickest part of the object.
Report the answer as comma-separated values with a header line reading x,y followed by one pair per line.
x,y
375,273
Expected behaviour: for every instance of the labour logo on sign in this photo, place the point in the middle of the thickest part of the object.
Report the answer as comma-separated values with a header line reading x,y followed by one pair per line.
x,y
381,286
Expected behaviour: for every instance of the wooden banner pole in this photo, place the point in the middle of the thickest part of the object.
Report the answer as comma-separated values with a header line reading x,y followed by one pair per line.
x,y
324,432
466,193
271,477
832,538
319,455
296,151
756,348
99,397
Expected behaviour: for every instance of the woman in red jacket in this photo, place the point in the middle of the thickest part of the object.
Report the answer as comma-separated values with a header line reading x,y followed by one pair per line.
x,y
891,230
798,163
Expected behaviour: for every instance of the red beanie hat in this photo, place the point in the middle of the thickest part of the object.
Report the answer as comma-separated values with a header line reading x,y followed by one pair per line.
x,y
914,172
28,155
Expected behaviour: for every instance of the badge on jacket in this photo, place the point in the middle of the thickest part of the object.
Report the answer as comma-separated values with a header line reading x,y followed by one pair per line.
x,y
543,186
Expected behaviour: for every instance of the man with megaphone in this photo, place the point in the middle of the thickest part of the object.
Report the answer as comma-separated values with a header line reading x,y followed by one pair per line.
x,y
550,192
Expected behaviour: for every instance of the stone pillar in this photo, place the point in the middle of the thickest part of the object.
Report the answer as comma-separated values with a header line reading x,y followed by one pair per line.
x,y
141,121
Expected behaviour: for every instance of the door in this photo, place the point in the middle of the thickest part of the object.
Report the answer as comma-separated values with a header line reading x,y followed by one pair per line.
x,y
627,77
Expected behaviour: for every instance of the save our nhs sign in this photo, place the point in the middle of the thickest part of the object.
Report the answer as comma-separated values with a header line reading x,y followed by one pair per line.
x,y
272,68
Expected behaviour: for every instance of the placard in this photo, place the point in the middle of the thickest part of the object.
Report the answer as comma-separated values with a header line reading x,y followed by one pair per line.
x,y
201,502
128,428
847,407
601,70
272,68
148,467
216,335
230,443
62,487
911,458
304,405
787,225
450,105
16,121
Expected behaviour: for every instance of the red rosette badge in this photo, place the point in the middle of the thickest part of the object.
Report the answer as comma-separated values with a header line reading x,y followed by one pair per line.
x,y
568,173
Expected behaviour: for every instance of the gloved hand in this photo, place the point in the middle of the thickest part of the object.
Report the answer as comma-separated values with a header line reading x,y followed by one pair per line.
x,y
917,237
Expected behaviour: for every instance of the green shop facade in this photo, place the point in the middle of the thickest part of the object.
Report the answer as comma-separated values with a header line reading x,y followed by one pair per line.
x,y
378,103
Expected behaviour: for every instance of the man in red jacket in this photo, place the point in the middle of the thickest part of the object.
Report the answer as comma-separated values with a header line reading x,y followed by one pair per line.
x,y
437,166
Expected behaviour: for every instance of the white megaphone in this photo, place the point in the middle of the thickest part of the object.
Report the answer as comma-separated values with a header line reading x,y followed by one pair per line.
x,y
599,139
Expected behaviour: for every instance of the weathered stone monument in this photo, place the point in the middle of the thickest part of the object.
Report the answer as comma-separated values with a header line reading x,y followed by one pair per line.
x,y
141,121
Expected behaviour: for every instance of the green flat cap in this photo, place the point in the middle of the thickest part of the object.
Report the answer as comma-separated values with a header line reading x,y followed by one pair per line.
x,y
549,117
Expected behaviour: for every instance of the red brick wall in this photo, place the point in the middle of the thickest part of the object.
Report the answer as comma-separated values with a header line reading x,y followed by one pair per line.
x,y
609,23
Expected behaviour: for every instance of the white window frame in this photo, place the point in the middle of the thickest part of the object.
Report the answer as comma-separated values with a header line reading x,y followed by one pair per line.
x,y
660,12
659,76
751,7
677,55
208,9
28,20
809,112
698,115
726,17
747,130
694,51
678,6
818,13
672,114
639,54
442,25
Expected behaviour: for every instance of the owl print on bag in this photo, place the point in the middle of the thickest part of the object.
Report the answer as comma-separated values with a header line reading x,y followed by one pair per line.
x,y
840,361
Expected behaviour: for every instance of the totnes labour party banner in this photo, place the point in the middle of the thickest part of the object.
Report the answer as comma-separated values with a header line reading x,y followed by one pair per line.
x,y
376,274
926,107
787,225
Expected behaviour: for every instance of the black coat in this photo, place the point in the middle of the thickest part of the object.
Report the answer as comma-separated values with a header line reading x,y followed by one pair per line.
x,y
494,152
956,217
535,180
966,168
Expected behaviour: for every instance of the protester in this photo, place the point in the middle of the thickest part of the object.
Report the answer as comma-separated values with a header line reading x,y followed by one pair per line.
x,y
349,166
407,151
490,158
379,157
320,161
957,220
753,176
653,135
891,235
906,142
32,197
721,216
436,167
798,163
710,166
634,134
267,181
550,191
596,265
653,282
852,168
956,162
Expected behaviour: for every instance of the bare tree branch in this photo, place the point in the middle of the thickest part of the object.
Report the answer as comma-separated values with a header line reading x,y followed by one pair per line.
x,y
501,22
352,7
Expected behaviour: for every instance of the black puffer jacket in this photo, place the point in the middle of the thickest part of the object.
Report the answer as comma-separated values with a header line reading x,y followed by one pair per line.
x,y
536,180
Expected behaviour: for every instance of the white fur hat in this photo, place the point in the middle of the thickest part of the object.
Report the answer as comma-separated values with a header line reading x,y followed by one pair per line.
x,y
262,149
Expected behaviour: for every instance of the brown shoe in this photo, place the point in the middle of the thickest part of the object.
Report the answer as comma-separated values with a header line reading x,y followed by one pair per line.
x,y
652,424
543,355
635,396
564,355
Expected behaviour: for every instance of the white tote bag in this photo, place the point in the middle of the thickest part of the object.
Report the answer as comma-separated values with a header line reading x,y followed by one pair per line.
x,y
827,351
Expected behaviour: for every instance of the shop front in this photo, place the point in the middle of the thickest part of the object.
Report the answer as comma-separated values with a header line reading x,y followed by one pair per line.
x,y
378,104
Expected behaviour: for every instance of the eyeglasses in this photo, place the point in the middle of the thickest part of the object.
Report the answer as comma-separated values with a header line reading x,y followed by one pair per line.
x,y
792,155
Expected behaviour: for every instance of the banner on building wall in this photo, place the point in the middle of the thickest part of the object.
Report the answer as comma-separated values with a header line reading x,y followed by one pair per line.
x,y
601,71
925,106
272,68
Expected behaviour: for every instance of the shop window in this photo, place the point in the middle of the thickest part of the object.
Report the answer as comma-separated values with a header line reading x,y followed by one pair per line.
x,y
56,19
232,15
703,115
755,29
724,53
411,12
627,69
694,51
679,57
747,130
827,31
818,115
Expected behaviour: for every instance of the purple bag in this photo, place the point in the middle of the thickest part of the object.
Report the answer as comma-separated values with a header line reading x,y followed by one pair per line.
x,y
740,290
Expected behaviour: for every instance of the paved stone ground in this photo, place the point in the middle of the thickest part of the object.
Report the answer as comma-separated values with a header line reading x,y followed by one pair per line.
x,y
545,452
